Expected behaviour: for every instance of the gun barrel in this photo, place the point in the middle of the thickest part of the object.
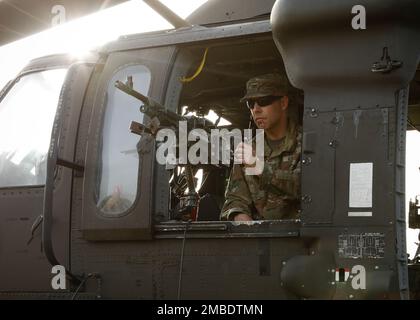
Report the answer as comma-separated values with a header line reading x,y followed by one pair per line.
x,y
125,88
154,109
151,107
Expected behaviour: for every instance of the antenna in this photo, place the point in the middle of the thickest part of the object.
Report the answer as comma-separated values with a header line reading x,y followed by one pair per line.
x,y
167,13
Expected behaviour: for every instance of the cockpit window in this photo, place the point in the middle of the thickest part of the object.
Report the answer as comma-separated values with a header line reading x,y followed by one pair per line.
x,y
118,175
26,118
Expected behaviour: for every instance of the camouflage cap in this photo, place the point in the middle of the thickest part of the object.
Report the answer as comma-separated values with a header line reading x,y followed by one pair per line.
x,y
266,85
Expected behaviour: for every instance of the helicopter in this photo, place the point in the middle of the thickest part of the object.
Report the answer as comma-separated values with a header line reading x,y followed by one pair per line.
x,y
88,213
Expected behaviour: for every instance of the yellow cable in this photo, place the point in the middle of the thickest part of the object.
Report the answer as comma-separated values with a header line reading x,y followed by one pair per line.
x,y
200,68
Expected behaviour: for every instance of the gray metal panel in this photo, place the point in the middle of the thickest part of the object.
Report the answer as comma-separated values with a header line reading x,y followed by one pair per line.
x,y
235,268
217,11
376,257
334,65
399,192
180,36
318,194
57,61
357,132
390,23
19,208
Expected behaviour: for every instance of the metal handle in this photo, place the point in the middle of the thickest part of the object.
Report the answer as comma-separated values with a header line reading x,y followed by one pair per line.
x,y
386,65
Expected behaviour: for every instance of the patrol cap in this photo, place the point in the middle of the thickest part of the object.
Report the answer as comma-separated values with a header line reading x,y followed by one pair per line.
x,y
272,84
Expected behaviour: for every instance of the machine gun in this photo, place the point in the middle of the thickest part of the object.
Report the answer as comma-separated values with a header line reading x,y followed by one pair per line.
x,y
161,118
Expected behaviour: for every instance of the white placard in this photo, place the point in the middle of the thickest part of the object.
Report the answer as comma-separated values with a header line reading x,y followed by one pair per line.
x,y
360,214
360,189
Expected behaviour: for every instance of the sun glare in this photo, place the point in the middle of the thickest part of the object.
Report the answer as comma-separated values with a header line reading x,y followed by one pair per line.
x,y
79,36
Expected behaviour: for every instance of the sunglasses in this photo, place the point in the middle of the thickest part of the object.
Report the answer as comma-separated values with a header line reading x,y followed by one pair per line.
x,y
262,101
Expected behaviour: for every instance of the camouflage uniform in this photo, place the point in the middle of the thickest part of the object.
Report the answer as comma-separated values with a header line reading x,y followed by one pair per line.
x,y
274,194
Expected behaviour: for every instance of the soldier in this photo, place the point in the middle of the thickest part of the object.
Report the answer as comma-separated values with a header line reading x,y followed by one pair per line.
x,y
274,194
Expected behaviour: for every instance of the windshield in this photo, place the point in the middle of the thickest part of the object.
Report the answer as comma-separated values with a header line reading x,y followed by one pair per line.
x,y
26,118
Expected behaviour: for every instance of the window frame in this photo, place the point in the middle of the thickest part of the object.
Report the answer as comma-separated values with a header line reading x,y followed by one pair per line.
x,y
174,229
135,223
100,157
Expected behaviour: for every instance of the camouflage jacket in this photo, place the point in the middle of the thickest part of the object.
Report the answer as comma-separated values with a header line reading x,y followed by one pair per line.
x,y
275,194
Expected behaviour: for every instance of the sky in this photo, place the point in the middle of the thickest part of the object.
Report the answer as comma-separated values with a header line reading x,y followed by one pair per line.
x,y
134,16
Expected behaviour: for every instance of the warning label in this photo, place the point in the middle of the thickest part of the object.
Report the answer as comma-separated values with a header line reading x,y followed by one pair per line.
x,y
363,245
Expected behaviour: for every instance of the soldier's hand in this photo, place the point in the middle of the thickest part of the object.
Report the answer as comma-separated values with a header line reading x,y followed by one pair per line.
x,y
242,217
245,154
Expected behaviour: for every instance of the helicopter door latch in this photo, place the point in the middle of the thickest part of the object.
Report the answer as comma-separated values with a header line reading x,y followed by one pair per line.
x,y
386,65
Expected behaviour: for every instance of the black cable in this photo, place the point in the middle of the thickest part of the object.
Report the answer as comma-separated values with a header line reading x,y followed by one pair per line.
x,y
78,288
182,260
90,275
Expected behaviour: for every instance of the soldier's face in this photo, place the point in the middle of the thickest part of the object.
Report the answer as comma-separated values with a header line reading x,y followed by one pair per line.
x,y
270,116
